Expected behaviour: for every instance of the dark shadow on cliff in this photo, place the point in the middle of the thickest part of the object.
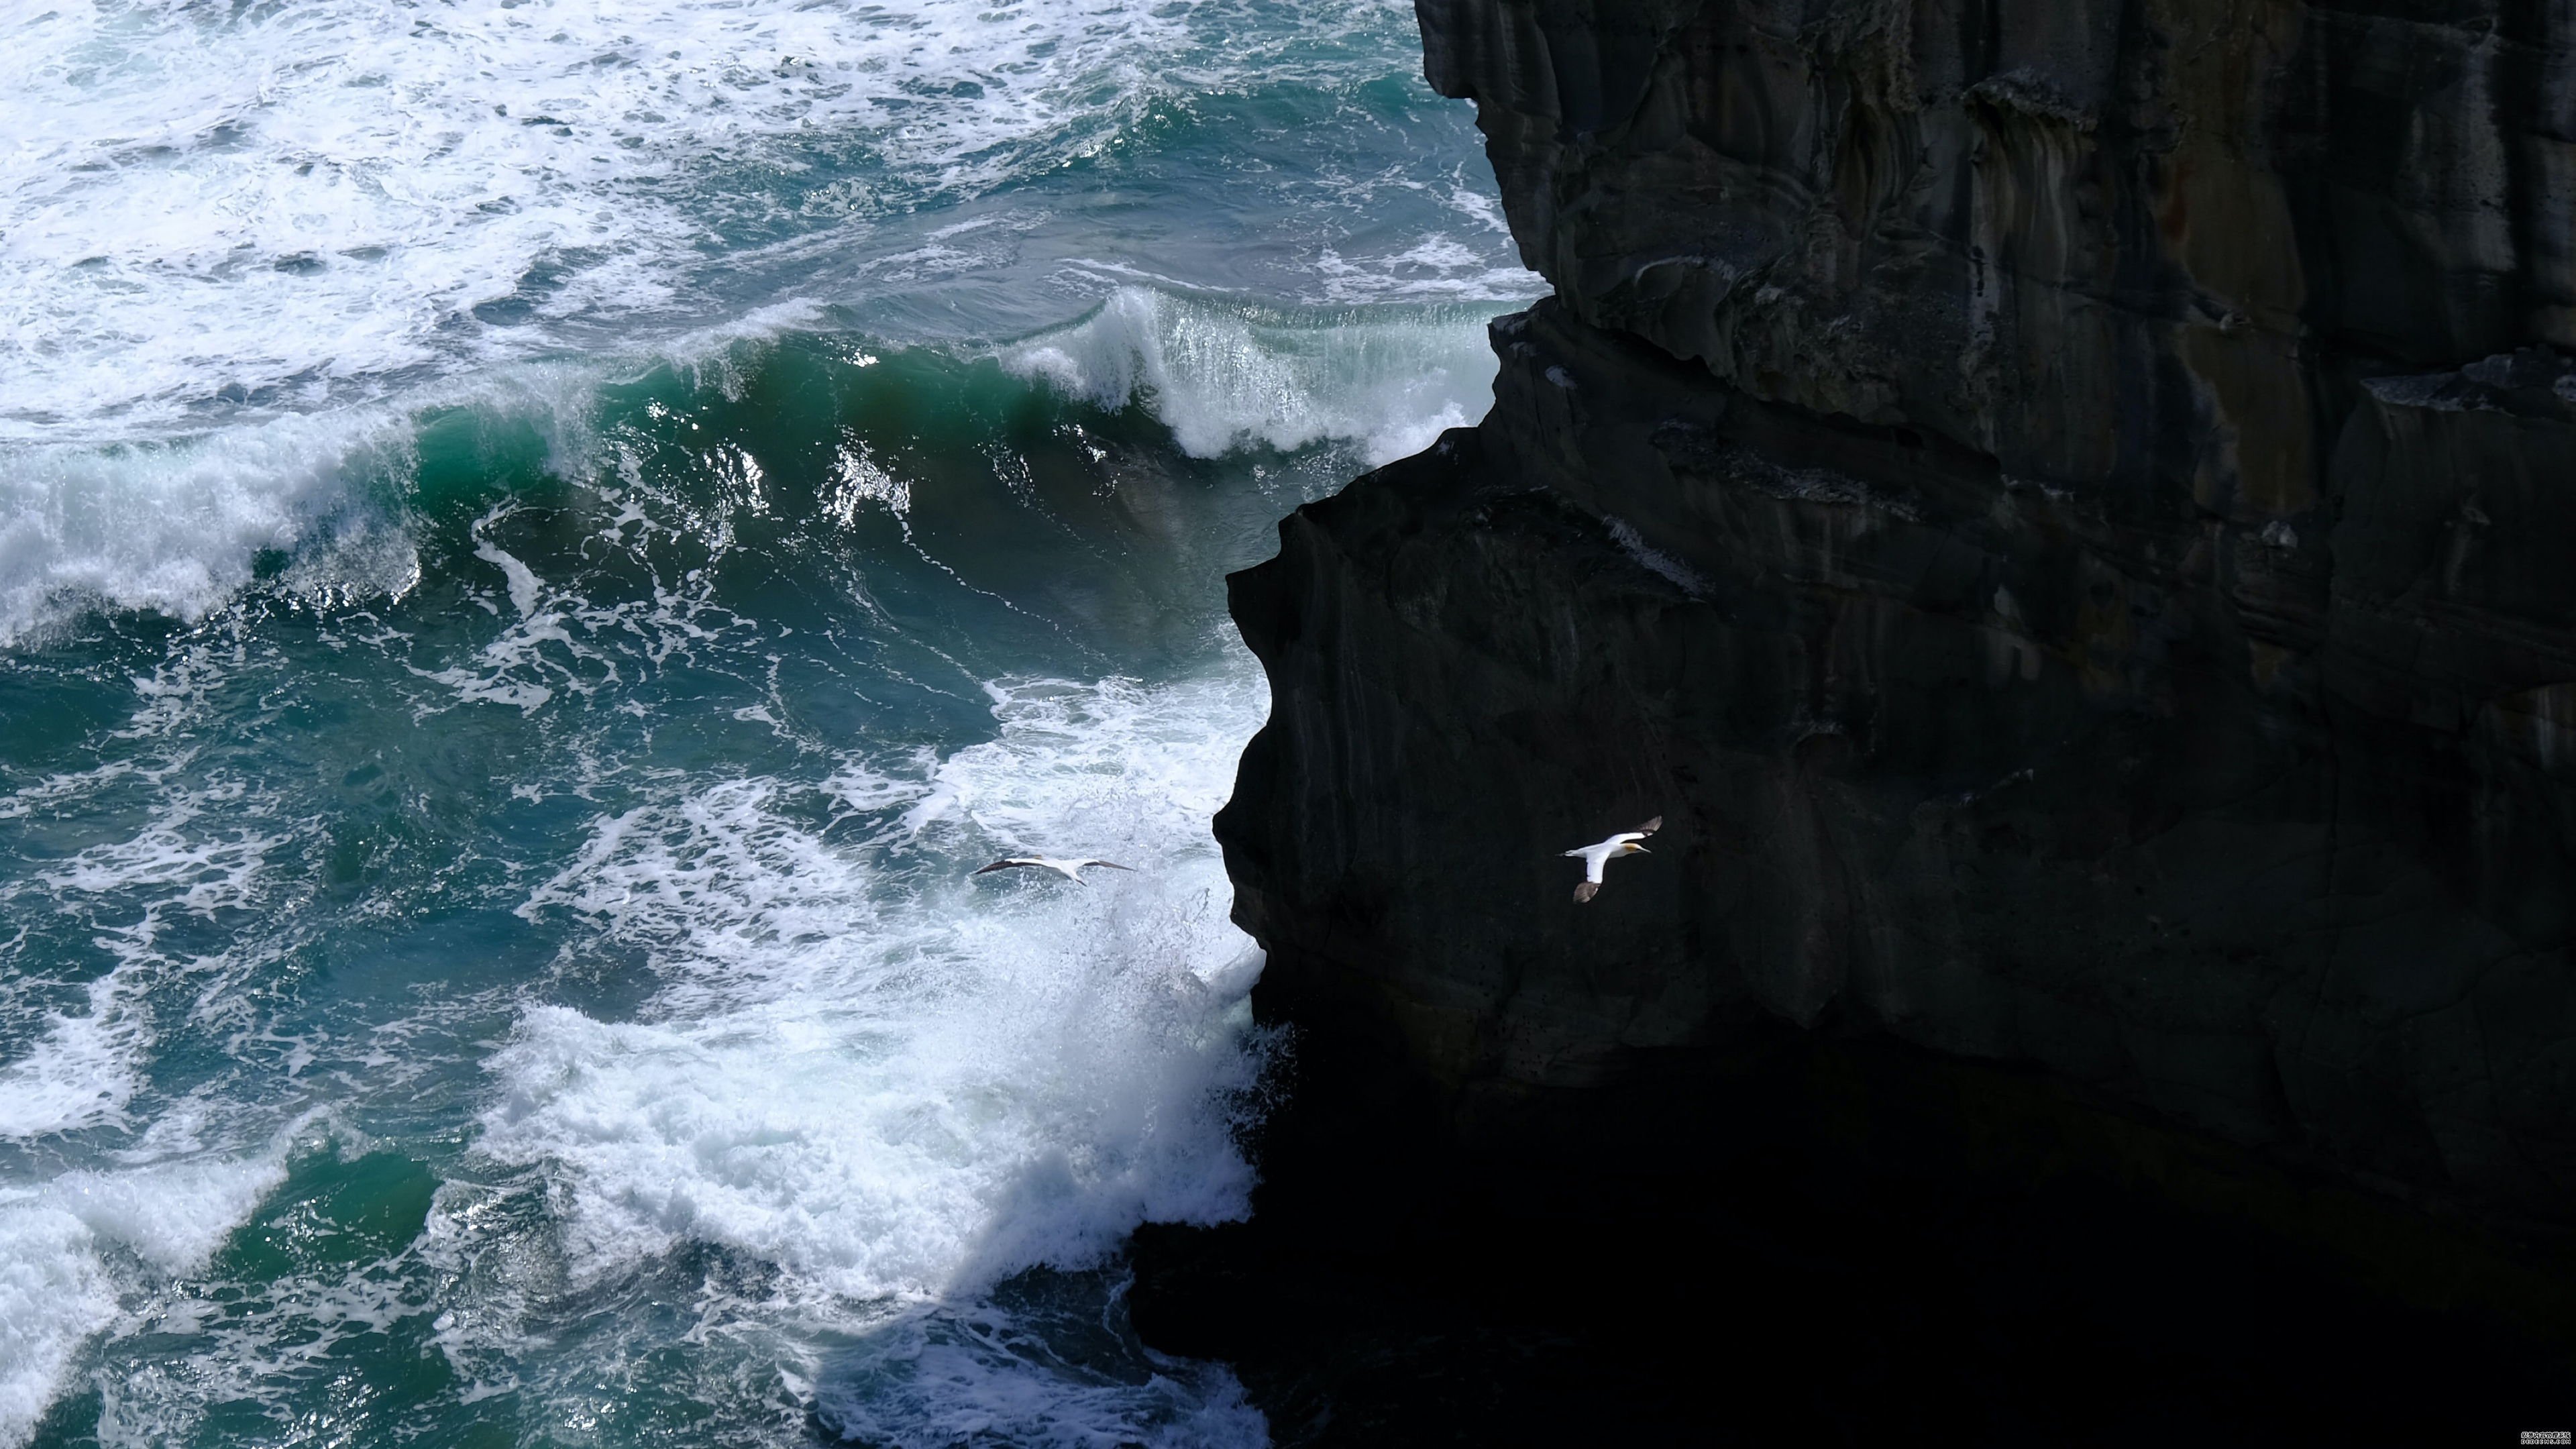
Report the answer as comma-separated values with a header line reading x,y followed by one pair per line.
x,y
2062,509
1830,1240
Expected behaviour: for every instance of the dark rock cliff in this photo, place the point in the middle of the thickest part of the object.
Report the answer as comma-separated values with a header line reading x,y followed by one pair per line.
x,y
2067,508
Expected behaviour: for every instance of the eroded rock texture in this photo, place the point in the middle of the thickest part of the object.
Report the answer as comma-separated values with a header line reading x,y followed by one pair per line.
x,y
2066,507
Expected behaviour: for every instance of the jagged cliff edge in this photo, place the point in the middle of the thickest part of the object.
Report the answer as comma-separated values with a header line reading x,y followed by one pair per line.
x,y
2063,507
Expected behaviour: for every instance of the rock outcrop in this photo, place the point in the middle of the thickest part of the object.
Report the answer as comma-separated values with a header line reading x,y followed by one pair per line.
x,y
2067,509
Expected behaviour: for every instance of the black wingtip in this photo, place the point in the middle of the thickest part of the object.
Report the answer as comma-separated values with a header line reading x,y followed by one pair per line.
x,y
1651,826
1586,890
996,865
1113,865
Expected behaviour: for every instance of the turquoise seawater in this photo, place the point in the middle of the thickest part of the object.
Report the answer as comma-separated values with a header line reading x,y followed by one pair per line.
x,y
540,544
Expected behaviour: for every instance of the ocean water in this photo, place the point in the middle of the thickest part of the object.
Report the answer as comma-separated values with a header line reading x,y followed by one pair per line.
x,y
540,543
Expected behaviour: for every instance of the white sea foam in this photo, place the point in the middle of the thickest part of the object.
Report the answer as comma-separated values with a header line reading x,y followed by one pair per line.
x,y
198,198
177,527
85,1068
557,641
881,1075
240,1333
181,527
65,1247
289,205
940,1376
330,216
1438,265
83,1071
1224,375
53,1294
78,1247
889,1082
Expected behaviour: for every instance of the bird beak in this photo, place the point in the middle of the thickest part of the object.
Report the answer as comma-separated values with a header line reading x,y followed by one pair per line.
x,y
1641,850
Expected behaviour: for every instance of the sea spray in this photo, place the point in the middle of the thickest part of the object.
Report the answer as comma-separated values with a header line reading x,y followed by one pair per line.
x,y
220,211
1225,375
903,1083
56,1242
179,528
538,550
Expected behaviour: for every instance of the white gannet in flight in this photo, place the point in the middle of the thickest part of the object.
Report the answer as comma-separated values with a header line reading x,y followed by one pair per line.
x,y
1072,869
1597,856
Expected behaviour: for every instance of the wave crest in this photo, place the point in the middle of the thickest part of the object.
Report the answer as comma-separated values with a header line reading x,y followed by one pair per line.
x,y
1225,375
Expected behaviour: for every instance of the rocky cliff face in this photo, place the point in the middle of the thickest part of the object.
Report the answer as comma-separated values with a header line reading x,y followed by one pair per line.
x,y
2068,510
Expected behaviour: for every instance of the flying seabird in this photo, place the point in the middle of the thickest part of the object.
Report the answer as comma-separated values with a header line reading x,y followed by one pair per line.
x,y
1072,869
1597,856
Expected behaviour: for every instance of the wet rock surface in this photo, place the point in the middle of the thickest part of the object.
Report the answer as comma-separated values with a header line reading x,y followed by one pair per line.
x,y
2064,511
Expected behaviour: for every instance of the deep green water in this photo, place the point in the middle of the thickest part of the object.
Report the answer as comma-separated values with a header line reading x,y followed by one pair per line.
x,y
512,655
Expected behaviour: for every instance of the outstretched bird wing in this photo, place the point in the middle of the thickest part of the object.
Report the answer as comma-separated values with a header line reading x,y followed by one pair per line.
x,y
1006,865
1113,865
1626,837
1597,856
